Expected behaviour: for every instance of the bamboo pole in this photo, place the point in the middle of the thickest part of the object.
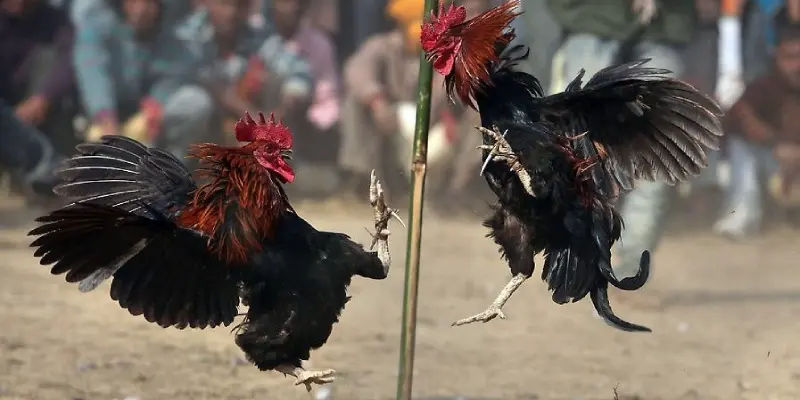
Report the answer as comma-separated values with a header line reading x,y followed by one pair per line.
x,y
419,166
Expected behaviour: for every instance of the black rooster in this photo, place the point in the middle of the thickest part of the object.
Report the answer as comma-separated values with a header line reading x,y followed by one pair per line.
x,y
183,255
557,163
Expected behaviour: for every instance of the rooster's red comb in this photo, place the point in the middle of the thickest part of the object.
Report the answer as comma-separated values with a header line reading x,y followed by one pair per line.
x,y
248,130
439,23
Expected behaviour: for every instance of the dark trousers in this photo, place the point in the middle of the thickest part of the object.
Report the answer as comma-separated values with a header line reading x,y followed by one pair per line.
x,y
22,147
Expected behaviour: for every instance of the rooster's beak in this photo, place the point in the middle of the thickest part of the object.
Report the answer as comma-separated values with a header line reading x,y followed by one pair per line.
x,y
287,154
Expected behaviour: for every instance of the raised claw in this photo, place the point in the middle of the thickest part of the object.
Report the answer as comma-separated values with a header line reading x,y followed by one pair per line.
x,y
501,151
491,313
382,215
315,377
495,149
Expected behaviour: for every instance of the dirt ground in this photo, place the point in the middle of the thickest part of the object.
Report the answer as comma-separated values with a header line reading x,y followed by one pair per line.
x,y
724,316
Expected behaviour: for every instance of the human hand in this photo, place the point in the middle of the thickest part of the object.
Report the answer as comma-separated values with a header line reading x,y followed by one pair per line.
x,y
33,110
384,116
788,156
105,123
153,117
646,10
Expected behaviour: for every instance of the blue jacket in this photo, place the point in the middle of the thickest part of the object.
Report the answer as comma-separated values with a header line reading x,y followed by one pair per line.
x,y
115,72
292,71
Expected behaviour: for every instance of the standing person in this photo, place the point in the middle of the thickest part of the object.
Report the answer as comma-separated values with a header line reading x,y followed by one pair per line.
x,y
538,29
735,31
595,32
763,139
134,77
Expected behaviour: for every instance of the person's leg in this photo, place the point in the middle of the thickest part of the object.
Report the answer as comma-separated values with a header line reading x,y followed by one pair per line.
x,y
359,149
188,115
27,152
580,51
644,209
537,29
743,208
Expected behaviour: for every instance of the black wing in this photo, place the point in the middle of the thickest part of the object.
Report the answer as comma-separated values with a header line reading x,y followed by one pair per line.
x,y
121,224
650,125
121,172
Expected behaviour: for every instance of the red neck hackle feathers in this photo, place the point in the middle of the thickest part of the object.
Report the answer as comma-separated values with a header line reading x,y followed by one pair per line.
x,y
239,206
465,51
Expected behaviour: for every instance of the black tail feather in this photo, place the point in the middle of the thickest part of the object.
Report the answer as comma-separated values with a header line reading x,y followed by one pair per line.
x,y
634,282
599,296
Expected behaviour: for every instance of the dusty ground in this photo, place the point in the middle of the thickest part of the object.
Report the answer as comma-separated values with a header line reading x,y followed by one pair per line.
x,y
727,328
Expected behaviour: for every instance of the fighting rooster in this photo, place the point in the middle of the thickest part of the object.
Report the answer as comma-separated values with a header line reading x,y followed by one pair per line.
x,y
557,163
182,255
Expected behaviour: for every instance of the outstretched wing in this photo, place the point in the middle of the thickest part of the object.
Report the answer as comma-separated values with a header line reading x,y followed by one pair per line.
x,y
122,224
121,172
649,125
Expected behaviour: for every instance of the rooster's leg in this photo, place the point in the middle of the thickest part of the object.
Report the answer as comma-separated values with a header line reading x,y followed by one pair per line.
x,y
496,308
501,151
382,216
305,377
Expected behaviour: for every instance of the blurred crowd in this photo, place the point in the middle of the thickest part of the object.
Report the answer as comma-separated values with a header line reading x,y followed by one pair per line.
x,y
343,75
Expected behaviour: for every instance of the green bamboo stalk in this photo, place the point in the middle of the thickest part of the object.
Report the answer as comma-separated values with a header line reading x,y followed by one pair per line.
x,y
419,165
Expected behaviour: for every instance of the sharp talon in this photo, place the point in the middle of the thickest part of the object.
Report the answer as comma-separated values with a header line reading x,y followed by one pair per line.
x,y
397,217
485,164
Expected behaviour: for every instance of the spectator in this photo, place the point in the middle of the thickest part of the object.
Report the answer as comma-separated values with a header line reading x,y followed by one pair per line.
x,y
763,139
537,29
131,69
379,78
173,11
36,75
320,122
734,31
595,32
246,67
27,153
360,20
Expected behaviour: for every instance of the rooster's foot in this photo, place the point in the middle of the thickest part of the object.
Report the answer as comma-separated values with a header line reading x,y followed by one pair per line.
x,y
501,151
307,377
383,214
491,313
496,308
315,377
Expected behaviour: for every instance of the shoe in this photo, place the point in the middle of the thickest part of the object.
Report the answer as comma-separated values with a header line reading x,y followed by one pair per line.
x,y
737,225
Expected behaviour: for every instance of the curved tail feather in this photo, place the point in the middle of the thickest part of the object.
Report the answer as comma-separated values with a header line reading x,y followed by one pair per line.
x,y
634,282
599,296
